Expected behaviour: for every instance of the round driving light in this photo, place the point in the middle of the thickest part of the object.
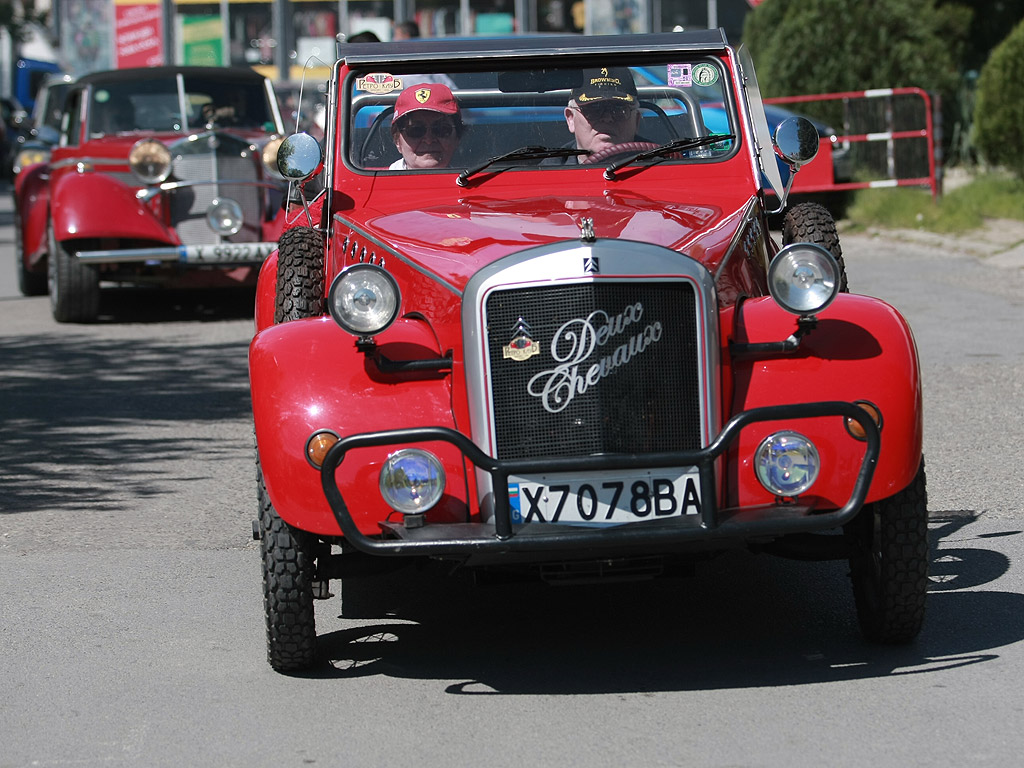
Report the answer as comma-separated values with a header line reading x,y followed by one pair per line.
x,y
150,160
364,299
803,278
318,445
269,156
786,463
854,427
412,480
224,216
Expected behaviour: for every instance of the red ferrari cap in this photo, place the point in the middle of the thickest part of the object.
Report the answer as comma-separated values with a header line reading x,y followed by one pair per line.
x,y
430,96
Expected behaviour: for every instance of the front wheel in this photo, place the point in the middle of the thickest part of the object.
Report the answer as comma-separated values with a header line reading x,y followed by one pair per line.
x,y
29,283
288,569
889,564
74,286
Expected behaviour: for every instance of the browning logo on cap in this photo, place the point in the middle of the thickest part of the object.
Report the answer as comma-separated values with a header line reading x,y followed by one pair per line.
x,y
614,83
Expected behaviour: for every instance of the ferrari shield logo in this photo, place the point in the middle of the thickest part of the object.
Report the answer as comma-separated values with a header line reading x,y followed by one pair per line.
x,y
422,95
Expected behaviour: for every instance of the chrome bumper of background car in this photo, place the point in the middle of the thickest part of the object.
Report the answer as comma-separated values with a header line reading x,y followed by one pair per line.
x,y
193,255
713,524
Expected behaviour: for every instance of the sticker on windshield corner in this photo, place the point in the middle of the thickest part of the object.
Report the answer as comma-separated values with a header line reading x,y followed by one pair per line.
x,y
680,75
378,83
705,74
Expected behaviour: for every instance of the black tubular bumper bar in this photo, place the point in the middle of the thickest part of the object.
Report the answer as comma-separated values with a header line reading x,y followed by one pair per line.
x,y
712,523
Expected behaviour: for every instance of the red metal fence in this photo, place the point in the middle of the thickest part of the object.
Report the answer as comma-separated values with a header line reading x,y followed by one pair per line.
x,y
887,139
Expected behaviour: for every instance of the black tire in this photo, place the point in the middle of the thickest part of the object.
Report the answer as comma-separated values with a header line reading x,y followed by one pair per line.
x,y
29,283
288,569
889,564
300,275
74,286
812,223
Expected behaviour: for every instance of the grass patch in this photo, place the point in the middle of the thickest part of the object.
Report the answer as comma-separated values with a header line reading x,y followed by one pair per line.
x,y
987,196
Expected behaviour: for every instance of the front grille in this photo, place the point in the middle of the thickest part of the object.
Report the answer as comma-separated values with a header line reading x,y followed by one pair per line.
x,y
215,159
645,395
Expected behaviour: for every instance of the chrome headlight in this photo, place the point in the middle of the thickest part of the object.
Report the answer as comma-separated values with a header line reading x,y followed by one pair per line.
x,y
224,216
364,299
412,480
30,156
786,463
803,278
269,156
150,160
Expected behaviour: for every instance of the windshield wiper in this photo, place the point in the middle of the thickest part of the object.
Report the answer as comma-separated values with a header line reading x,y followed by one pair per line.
x,y
523,153
666,149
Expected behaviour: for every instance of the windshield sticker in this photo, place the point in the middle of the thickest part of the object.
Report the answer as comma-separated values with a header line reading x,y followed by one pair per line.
x,y
680,75
101,97
705,74
378,83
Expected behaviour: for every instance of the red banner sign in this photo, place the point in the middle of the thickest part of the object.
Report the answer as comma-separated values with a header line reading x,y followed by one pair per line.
x,y
139,35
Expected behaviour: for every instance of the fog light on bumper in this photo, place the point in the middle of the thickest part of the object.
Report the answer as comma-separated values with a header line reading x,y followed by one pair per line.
x,y
412,481
787,463
224,216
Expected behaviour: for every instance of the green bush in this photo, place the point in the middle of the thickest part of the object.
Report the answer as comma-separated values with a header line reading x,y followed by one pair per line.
x,y
999,109
826,46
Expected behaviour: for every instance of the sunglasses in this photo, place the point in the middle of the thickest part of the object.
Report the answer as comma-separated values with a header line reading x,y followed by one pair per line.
x,y
440,130
603,112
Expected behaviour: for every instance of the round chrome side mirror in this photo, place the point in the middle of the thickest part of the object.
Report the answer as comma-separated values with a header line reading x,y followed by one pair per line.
x,y
796,140
299,156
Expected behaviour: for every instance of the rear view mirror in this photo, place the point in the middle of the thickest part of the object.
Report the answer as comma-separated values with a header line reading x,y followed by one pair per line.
x,y
796,140
299,157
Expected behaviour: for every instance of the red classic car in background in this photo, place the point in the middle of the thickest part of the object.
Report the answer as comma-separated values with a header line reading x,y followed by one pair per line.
x,y
157,179
539,324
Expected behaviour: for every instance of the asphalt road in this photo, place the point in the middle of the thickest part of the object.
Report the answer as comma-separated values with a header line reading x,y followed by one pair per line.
x,y
131,628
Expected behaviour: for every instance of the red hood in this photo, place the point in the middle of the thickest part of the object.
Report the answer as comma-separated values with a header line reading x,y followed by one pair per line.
x,y
456,240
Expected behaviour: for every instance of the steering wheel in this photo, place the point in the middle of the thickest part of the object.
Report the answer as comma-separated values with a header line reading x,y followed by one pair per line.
x,y
617,149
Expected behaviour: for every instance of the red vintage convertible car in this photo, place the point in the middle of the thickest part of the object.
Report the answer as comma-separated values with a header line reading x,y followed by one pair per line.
x,y
538,323
157,179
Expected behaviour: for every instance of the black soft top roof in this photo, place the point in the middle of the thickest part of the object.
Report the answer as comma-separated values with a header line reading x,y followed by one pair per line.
x,y
241,74
530,46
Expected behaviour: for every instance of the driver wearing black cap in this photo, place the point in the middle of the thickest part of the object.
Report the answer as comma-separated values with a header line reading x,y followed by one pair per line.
x,y
603,111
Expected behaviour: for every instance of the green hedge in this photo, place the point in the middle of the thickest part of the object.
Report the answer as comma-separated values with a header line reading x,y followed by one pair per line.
x,y
999,109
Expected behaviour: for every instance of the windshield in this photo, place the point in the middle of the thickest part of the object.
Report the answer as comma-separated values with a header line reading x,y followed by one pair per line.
x,y
154,104
517,118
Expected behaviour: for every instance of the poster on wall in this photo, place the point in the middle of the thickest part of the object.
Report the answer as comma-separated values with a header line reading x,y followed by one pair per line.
x,y
85,39
139,35
201,40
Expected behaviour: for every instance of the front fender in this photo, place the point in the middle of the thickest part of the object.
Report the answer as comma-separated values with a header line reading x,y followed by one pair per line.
x,y
266,292
93,205
861,349
307,376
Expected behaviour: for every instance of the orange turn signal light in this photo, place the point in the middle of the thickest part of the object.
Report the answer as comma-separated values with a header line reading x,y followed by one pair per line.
x,y
318,445
855,429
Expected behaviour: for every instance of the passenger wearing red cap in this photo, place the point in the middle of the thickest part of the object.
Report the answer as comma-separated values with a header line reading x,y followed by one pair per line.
x,y
426,126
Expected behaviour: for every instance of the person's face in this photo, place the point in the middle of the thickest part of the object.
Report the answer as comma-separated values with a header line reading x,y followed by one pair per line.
x,y
602,124
426,139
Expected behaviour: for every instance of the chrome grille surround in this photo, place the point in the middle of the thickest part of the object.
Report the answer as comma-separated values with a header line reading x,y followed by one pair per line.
x,y
212,165
625,406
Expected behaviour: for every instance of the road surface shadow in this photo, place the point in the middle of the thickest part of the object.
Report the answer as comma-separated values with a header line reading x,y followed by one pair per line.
x,y
742,620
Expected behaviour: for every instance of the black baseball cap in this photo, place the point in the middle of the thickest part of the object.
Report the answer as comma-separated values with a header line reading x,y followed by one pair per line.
x,y
604,84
